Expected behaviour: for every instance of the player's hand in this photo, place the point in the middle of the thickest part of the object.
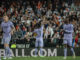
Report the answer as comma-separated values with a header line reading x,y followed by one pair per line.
x,y
34,34
28,39
11,32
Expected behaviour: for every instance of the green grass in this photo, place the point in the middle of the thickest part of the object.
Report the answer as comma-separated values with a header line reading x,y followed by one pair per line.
x,y
44,58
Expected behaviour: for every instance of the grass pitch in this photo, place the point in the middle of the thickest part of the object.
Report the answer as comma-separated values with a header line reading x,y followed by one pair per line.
x,y
44,58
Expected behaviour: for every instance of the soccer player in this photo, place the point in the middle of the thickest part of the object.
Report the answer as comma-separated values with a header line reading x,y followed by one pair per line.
x,y
39,38
68,31
8,28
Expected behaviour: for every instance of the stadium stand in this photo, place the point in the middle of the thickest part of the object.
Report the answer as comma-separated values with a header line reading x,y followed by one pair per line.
x,y
25,13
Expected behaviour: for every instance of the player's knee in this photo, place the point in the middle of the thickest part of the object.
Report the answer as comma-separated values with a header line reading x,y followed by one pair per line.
x,y
70,46
65,46
6,45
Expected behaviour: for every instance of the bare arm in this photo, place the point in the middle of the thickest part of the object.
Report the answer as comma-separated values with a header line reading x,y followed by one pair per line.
x,y
12,30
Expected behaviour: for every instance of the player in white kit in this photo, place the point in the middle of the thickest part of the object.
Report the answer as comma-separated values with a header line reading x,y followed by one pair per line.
x,y
39,38
8,28
68,31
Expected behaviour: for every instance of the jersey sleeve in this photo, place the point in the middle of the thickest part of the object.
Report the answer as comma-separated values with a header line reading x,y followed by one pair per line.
x,y
12,25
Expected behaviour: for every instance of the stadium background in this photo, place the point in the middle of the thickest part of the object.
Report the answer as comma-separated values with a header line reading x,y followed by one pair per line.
x,y
25,13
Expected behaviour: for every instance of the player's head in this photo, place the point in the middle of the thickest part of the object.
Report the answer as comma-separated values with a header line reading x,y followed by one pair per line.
x,y
5,17
67,20
38,25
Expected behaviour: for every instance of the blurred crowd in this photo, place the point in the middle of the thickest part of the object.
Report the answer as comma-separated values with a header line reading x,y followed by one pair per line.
x,y
25,14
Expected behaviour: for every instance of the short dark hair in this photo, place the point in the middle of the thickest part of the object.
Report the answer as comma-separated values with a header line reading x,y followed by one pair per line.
x,y
66,20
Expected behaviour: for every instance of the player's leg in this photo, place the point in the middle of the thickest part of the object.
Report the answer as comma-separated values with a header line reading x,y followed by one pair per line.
x,y
0,58
7,49
3,42
65,48
65,51
73,52
71,48
36,47
41,46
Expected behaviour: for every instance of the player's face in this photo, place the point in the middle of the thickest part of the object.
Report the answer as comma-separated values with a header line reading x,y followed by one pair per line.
x,y
67,20
5,18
